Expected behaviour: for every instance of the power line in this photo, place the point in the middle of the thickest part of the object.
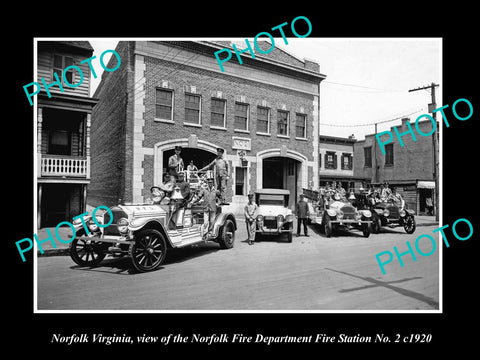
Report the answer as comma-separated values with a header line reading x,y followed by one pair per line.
x,y
362,86
370,124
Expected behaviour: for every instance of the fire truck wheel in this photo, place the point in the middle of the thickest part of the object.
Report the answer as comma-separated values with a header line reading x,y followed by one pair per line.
x,y
148,251
226,237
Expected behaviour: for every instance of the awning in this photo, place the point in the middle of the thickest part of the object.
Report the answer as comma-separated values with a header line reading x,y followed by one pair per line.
x,y
425,184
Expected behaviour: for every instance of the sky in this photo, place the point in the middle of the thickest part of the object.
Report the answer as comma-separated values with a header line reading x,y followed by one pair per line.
x,y
367,79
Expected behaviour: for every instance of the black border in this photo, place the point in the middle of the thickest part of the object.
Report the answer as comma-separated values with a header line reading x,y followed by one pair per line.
x,y
455,26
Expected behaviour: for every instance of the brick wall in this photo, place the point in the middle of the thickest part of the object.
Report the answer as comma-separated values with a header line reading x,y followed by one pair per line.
x,y
180,78
121,97
109,136
412,161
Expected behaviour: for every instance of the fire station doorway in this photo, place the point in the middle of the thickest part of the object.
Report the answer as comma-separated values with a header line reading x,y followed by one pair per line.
x,y
200,157
282,173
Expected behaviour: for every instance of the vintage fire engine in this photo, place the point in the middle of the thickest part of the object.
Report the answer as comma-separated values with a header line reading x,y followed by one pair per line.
x,y
336,212
145,232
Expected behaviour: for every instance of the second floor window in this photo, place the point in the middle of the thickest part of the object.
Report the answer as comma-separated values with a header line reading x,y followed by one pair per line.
x,y
367,151
192,108
282,123
301,126
218,113
389,155
59,142
164,104
241,116
330,160
347,161
60,63
263,120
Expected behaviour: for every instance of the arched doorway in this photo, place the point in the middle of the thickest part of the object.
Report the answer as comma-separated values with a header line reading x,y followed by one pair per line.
x,y
200,158
280,172
200,151
283,168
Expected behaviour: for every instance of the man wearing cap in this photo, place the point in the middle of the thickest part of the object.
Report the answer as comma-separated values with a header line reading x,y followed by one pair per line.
x,y
302,214
183,186
175,162
250,209
221,170
386,192
209,195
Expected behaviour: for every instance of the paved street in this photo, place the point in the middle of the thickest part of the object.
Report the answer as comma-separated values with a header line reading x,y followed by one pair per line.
x,y
314,273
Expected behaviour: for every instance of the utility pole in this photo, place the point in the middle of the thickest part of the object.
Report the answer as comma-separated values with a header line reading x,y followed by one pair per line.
x,y
431,108
375,175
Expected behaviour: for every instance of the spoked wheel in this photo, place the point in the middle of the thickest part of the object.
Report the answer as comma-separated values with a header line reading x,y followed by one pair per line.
x,y
148,251
87,252
226,238
409,224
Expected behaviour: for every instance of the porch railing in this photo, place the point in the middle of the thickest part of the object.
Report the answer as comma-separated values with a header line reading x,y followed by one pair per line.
x,y
63,166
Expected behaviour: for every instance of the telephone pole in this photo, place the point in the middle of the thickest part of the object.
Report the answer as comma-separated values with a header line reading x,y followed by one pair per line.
x,y
431,108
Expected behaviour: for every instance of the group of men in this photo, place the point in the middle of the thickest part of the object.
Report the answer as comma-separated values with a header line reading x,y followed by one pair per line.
x,y
174,180
384,194
219,166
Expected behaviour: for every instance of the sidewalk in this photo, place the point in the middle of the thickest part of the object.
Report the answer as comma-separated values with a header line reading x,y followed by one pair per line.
x,y
66,233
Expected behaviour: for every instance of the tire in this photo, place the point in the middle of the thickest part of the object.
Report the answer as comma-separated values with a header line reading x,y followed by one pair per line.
x,y
148,251
376,223
226,239
290,236
366,230
86,253
409,224
328,227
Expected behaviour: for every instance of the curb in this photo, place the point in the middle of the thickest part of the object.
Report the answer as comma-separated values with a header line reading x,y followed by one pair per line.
x,y
54,252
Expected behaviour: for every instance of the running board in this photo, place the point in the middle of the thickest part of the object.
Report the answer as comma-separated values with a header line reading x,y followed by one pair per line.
x,y
184,237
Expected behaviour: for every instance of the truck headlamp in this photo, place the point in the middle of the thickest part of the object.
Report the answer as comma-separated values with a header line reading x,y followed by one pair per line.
x,y
122,226
92,226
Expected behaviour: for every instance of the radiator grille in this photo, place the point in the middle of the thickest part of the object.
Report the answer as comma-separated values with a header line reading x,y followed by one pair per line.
x,y
270,223
112,228
393,212
348,212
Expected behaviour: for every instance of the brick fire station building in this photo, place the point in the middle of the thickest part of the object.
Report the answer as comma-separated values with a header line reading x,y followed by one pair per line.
x,y
263,112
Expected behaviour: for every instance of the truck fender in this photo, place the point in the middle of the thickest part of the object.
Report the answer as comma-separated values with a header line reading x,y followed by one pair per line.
x,y
220,221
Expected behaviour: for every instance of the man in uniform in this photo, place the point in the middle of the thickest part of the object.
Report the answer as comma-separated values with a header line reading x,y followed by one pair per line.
x,y
397,198
209,195
221,170
175,162
184,187
250,209
341,191
302,214
386,192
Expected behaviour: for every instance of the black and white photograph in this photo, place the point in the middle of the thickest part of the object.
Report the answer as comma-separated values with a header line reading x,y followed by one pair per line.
x,y
246,182
186,182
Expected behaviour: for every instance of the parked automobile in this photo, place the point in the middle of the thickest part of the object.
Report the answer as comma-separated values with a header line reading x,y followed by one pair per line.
x,y
146,232
335,213
387,213
273,215
390,214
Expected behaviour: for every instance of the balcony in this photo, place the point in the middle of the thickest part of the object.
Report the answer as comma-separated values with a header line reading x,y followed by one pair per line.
x,y
64,166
